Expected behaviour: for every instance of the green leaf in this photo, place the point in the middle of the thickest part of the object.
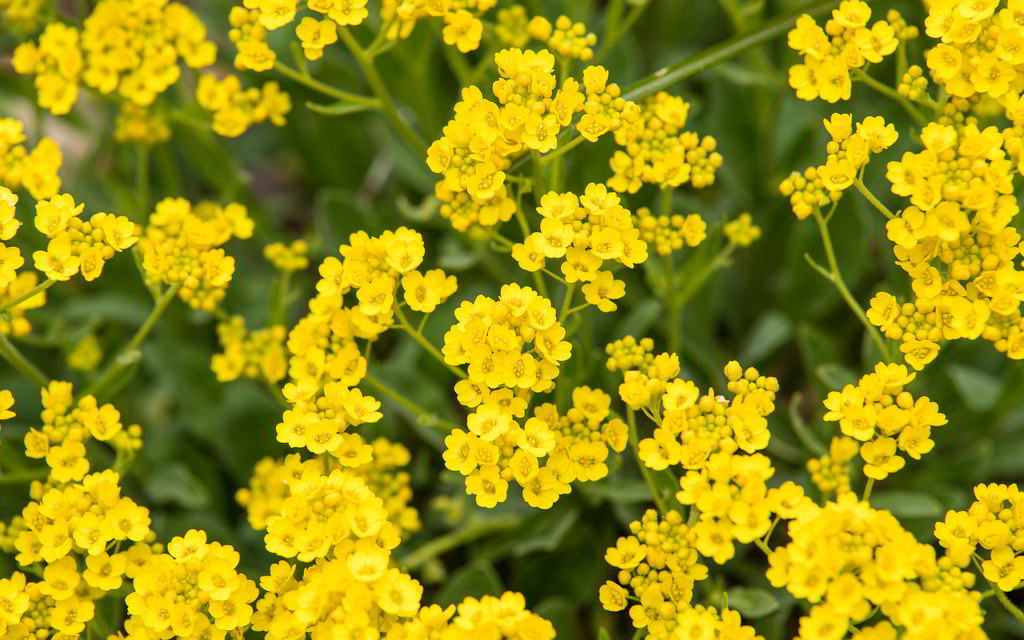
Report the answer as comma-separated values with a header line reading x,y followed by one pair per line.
x,y
979,389
336,109
908,504
475,580
546,534
834,375
752,603
772,330
174,483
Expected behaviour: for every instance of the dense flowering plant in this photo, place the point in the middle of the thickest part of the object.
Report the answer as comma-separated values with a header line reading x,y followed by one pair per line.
x,y
437,320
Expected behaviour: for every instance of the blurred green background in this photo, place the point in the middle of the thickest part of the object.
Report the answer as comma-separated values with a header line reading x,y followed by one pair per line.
x,y
321,178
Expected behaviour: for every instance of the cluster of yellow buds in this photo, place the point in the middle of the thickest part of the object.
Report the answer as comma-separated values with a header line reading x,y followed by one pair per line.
x,y
566,38
513,26
258,354
657,150
830,472
669,233
68,425
479,143
236,109
288,257
585,232
742,231
690,426
250,39
913,84
182,247
79,518
76,245
192,590
35,170
845,44
957,244
885,418
876,564
847,153
657,567
629,353
978,50
56,61
140,124
994,523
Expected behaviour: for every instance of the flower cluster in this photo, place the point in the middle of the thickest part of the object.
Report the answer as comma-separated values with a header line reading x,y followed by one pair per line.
x,y
182,248
35,170
478,144
68,425
847,153
956,243
288,257
273,481
657,150
670,233
692,427
658,565
192,590
56,61
80,518
742,231
512,346
978,52
585,232
503,617
887,419
992,522
845,45
848,559
258,354
236,109
140,124
76,245
21,16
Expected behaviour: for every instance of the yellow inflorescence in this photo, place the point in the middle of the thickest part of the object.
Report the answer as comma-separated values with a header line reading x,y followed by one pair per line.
x,y
670,233
993,524
657,150
848,151
258,354
849,559
886,419
236,109
844,45
182,247
586,232
35,170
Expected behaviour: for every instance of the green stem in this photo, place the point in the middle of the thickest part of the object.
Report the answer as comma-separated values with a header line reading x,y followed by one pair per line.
x,y
868,486
326,89
27,475
844,291
634,444
404,324
387,104
22,364
127,356
142,180
475,527
875,202
668,76
31,293
570,291
694,284
422,415
620,29
562,149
